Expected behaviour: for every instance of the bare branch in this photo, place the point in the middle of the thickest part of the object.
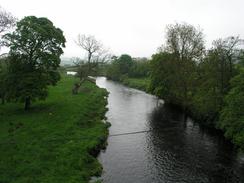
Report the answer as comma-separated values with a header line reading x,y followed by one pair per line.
x,y
89,44
185,41
6,20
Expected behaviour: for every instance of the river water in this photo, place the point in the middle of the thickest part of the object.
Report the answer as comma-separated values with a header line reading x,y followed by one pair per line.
x,y
167,149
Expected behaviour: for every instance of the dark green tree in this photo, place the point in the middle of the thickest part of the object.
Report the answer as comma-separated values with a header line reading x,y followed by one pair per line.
x,y
232,115
178,59
226,54
125,62
119,67
140,68
163,76
214,75
207,98
113,69
35,49
3,78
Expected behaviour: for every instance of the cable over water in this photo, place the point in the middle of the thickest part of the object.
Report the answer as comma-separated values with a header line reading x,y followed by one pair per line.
x,y
129,133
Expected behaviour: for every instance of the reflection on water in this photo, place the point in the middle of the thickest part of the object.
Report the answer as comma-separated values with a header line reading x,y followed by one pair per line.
x,y
172,151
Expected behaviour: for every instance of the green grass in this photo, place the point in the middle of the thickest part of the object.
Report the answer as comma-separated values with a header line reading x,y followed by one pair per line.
x,y
53,142
139,83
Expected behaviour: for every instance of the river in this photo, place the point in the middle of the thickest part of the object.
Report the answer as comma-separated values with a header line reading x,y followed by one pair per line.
x,y
167,148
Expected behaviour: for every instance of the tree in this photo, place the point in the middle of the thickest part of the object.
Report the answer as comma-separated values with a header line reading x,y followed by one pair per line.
x,y
7,21
185,47
35,49
91,45
207,98
232,115
184,41
97,56
3,78
140,68
227,52
119,67
113,69
82,68
125,63
162,76
214,74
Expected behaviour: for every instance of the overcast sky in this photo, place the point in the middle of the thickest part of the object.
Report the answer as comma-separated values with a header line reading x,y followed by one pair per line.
x,y
135,27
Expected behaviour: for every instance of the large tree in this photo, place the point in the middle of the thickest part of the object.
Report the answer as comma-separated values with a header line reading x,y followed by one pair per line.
x,y
227,52
232,115
125,63
35,49
185,44
214,75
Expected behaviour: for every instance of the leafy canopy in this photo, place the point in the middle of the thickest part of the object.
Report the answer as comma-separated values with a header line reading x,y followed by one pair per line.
x,y
35,49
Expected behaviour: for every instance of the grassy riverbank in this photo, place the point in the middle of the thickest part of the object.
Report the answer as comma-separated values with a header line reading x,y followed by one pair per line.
x,y
138,83
53,142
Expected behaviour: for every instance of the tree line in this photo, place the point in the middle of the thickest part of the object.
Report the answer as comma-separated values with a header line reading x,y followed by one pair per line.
x,y
125,66
207,83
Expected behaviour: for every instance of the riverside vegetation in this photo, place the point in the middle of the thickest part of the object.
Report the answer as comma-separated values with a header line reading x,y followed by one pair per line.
x,y
57,135
206,83
56,140
131,72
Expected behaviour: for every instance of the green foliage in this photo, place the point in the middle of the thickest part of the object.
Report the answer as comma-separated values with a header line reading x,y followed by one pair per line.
x,y
232,116
140,68
214,75
124,67
174,68
82,70
125,63
139,83
35,49
162,71
119,67
207,97
53,141
113,71
182,74
172,79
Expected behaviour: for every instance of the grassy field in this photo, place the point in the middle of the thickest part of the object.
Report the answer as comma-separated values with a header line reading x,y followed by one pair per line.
x,y
139,83
55,140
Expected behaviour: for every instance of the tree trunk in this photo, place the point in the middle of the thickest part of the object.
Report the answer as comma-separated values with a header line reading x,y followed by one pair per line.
x,y
89,62
27,103
3,100
222,76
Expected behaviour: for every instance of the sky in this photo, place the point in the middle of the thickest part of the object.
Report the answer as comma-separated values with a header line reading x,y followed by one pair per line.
x,y
135,27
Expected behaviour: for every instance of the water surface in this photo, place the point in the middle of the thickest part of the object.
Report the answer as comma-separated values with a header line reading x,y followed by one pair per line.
x,y
171,151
